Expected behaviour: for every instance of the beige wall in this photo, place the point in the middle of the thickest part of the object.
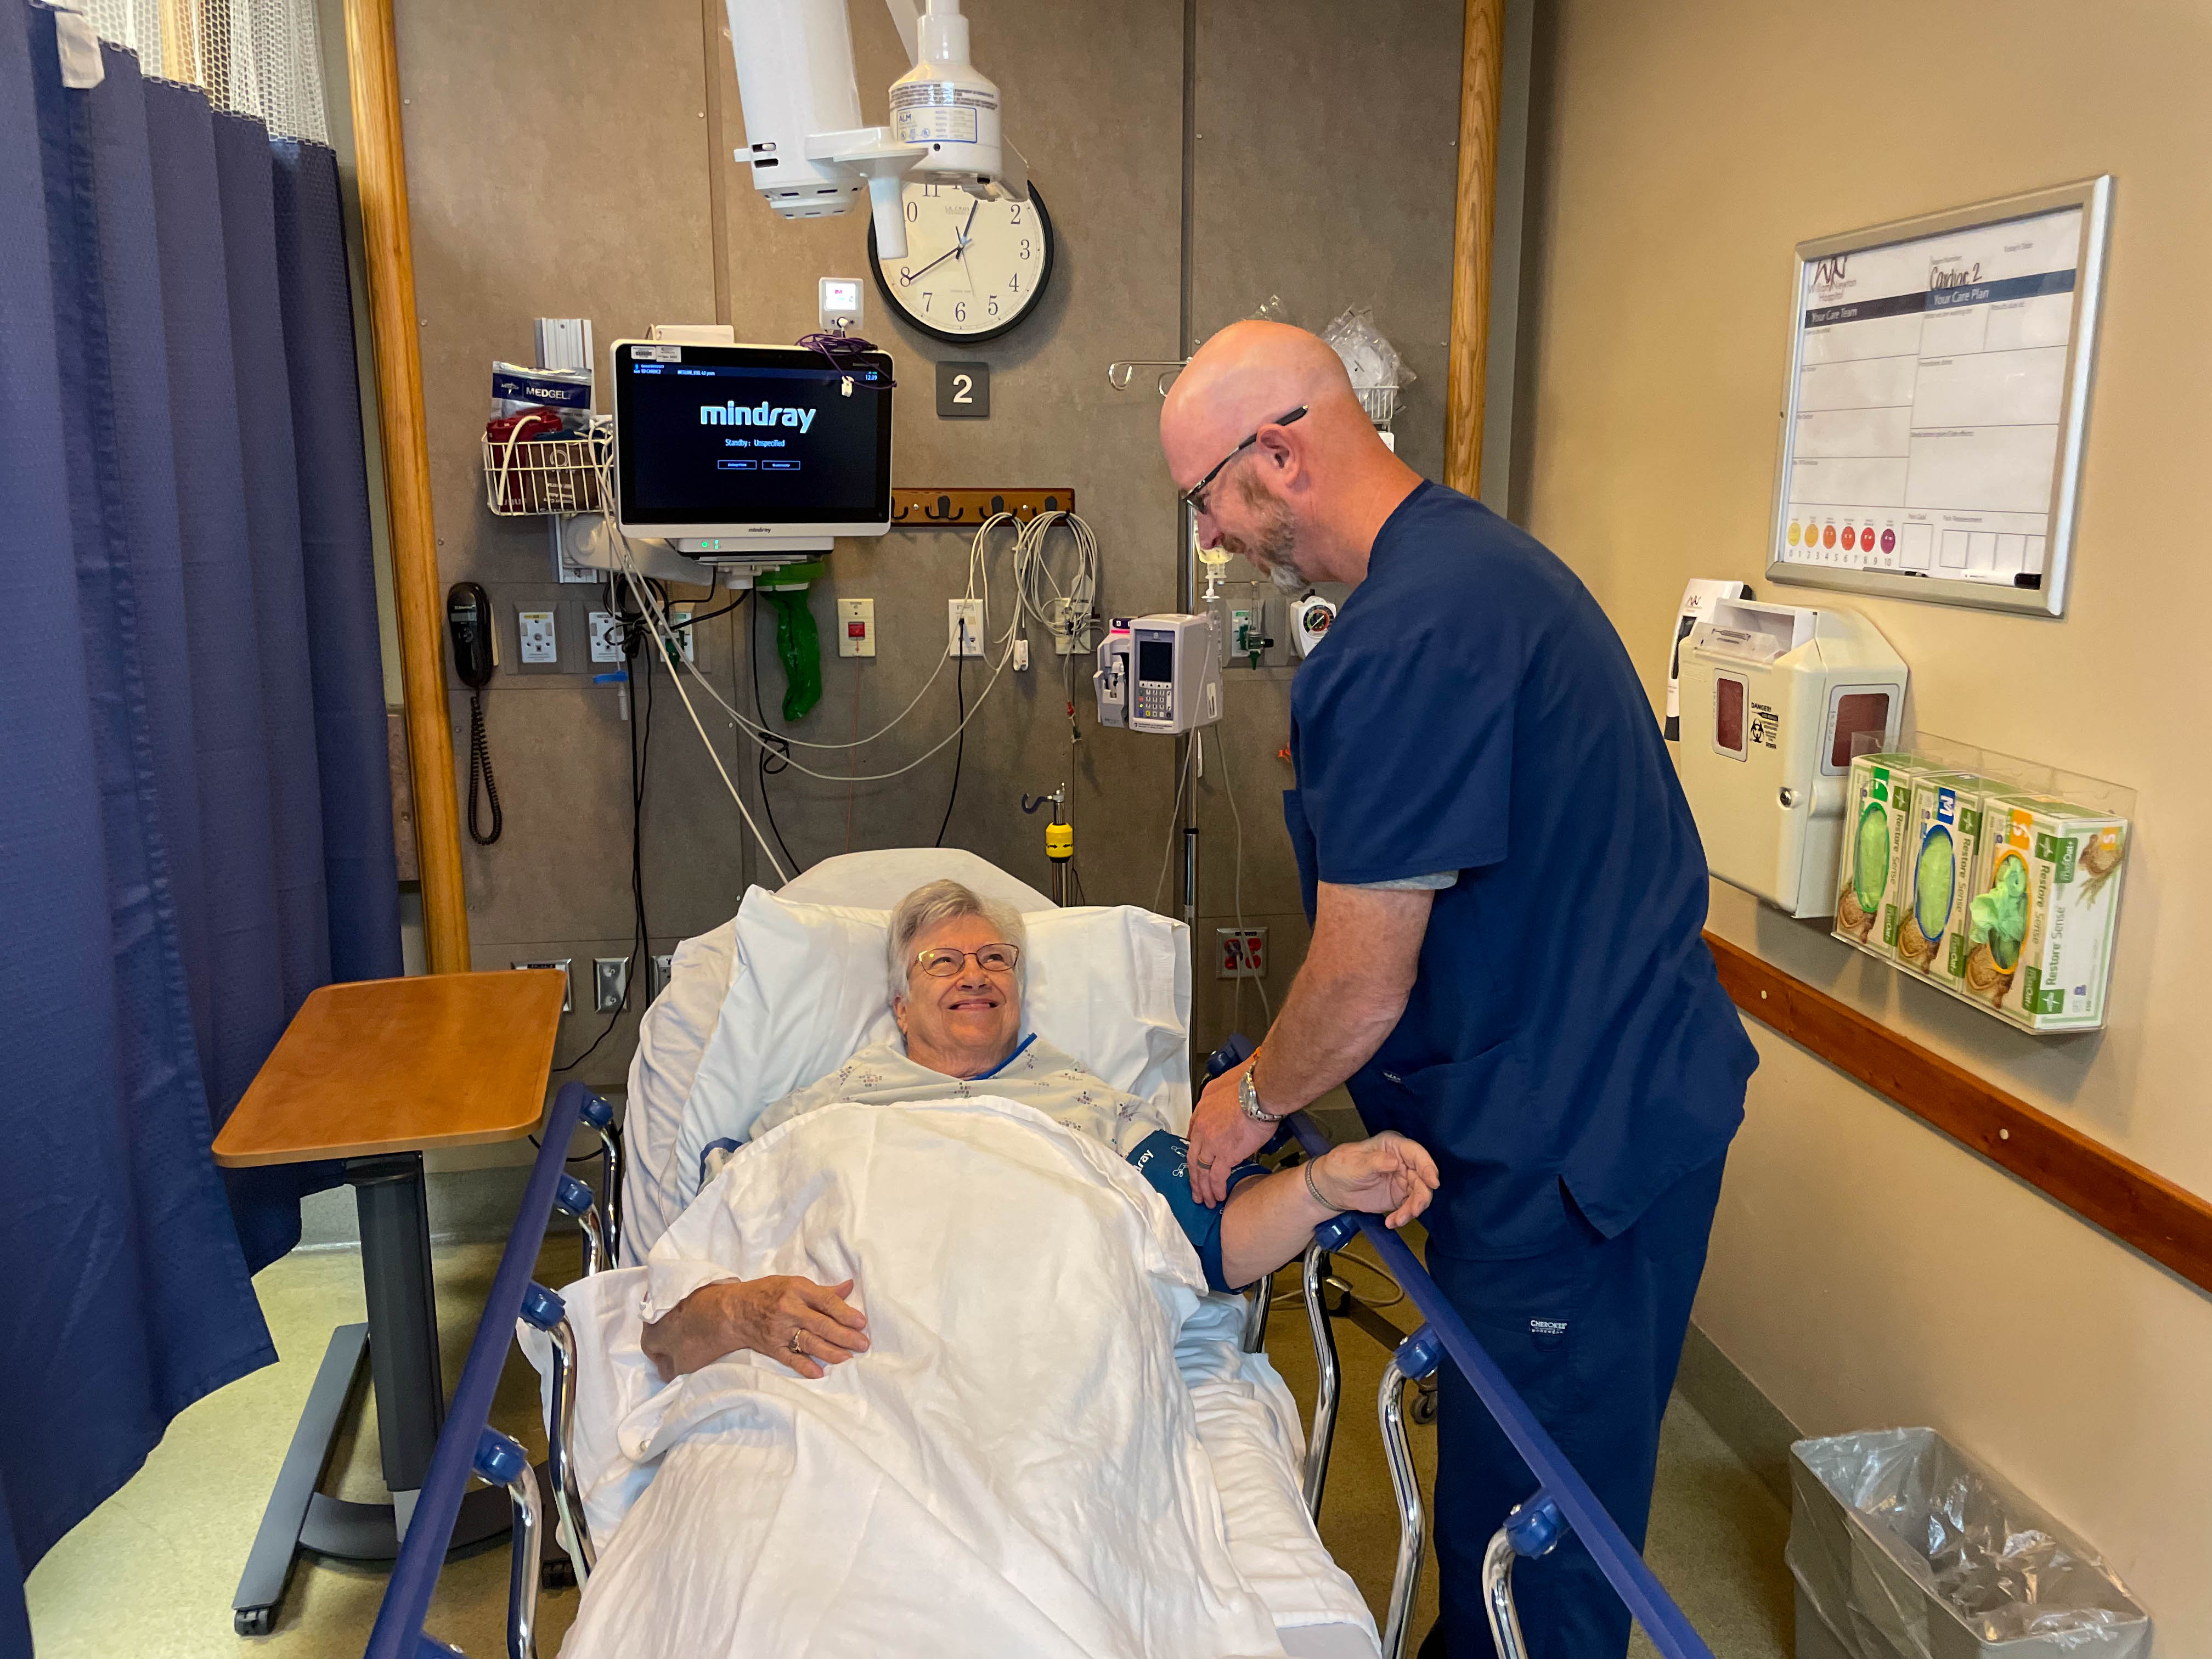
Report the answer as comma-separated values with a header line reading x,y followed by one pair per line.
x,y
574,171
1867,1271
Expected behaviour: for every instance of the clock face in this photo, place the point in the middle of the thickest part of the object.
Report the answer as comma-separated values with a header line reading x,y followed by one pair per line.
x,y
973,269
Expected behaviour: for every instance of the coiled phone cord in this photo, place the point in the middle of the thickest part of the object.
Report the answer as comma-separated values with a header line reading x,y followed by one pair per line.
x,y
480,762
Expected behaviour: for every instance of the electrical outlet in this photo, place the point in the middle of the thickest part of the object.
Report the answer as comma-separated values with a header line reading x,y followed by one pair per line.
x,y
606,636
1240,953
679,633
566,984
856,628
610,983
539,643
1021,653
1071,627
963,640
663,967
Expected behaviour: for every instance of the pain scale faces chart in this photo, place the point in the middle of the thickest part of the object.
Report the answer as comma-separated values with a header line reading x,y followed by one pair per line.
x,y
1939,380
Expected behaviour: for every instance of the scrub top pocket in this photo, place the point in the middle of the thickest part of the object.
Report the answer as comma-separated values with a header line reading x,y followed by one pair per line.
x,y
1499,1193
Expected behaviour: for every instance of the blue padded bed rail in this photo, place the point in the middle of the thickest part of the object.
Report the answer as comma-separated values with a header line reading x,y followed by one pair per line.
x,y
398,1631
1556,1479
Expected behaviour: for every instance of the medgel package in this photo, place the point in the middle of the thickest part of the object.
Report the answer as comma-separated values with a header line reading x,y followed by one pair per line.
x,y
1878,807
565,392
1942,844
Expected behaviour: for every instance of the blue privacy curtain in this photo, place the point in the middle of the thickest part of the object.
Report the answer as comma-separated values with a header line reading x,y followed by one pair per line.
x,y
195,818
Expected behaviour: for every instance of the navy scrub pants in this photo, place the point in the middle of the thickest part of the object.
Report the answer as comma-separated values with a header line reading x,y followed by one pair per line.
x,y
1590,1335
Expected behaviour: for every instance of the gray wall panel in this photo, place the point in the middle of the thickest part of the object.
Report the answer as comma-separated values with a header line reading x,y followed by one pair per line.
x,y
567,172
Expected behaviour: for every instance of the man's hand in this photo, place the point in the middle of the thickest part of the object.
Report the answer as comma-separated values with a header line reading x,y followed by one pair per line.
x,y
1385,1172
1221,1138
796,1322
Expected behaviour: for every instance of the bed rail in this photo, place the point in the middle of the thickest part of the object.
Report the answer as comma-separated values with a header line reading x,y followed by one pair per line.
x,y
467,1445
1562,1500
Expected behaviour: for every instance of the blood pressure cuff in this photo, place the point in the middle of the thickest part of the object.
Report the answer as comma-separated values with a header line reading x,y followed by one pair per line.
x,y
1165,1160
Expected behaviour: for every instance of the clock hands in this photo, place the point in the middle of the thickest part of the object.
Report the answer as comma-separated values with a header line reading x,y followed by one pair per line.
x,y
959,247
906,276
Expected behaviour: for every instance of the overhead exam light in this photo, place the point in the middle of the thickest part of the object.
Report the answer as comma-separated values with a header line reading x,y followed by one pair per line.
x,y
811,157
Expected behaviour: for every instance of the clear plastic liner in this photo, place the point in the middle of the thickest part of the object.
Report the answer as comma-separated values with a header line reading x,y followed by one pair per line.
x,y
1378,373
1905,1548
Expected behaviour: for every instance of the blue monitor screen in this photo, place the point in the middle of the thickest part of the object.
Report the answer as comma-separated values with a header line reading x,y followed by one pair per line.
x,y
751,435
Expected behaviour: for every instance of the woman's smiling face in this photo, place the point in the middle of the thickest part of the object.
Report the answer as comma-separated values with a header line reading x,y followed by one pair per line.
x,y
972,1017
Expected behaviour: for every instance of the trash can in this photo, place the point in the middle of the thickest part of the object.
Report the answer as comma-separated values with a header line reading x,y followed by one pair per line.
x,y
1902,1549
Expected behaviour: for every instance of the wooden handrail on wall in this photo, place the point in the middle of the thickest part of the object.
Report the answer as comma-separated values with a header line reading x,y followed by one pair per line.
x,y
2140,1207
380,162
1481,79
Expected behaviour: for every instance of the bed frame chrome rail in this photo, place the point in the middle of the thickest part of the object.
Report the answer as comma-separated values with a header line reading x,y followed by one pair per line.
x,y
1530,1530
1416,1357
501,1461
1328,1373
543,1310
599,1116
573,1198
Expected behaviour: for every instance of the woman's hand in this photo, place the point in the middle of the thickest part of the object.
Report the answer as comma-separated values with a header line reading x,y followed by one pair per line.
x,y
1383,1173
804,1325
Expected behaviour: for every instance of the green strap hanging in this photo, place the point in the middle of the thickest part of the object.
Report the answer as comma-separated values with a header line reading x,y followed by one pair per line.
x,y
799,646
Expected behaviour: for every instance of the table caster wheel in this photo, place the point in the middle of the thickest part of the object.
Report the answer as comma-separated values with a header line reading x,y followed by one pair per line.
x,y
556,1572
253,1621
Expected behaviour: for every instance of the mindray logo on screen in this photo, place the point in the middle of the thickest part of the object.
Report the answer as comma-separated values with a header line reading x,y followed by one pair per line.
x,y
755,415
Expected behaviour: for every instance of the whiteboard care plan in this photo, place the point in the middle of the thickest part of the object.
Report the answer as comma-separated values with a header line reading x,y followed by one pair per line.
x,y
1939,377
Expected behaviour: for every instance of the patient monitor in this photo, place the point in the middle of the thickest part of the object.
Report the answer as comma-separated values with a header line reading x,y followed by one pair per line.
x,y
1776,701
1159,674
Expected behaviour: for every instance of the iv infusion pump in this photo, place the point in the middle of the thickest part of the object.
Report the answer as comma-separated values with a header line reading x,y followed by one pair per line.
x,y
1159,674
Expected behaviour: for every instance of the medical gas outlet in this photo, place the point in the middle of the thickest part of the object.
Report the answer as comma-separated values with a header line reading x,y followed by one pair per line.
x,y
1777,700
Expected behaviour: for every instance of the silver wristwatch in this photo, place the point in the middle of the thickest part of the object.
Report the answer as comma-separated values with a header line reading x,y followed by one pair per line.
x,y
1247,1097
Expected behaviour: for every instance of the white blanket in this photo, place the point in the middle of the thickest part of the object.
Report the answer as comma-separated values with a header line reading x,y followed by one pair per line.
x,y
1013,1468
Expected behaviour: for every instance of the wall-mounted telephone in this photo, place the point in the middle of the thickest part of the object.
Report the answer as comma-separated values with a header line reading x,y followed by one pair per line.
x,y
476,655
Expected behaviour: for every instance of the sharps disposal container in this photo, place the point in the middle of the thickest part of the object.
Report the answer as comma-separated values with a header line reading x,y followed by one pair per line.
x,y
1902,1549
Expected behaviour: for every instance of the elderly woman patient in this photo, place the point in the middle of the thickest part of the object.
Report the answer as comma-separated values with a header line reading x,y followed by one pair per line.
x,y
955,994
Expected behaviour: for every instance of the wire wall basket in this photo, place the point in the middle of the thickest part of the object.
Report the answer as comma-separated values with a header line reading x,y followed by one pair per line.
x,y
543,475
1381,403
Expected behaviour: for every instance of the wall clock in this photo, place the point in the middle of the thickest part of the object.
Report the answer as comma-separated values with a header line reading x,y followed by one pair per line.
x,y
973,269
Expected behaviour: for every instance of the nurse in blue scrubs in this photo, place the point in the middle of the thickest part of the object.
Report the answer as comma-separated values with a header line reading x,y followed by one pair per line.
x,y
1507,896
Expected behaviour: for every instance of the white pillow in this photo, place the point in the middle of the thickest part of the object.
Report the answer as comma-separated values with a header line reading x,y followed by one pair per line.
x,y
1109,985
671,1038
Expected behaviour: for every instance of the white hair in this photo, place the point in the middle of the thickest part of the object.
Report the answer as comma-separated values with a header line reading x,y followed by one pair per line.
x,y
938,902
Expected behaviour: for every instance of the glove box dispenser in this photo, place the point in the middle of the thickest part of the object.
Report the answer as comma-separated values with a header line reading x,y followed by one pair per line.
x,y
1776,701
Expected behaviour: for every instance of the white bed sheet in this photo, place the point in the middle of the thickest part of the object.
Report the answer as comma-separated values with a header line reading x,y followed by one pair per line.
x,y
1247,1424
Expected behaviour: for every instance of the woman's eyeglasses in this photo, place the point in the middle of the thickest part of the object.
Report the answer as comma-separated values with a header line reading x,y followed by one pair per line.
x,y
943,962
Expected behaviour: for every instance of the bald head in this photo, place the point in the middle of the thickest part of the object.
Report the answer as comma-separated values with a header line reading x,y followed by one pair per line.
x,y
1304,502
1248,374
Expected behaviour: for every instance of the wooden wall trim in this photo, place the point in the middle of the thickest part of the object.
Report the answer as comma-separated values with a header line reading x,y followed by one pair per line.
x,y
380,163
2139,1206
1482,67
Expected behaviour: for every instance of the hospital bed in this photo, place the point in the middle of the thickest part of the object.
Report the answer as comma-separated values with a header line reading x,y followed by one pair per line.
x,y
702,1023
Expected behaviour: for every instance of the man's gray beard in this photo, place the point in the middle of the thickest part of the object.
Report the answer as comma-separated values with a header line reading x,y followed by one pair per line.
x,y
1273,545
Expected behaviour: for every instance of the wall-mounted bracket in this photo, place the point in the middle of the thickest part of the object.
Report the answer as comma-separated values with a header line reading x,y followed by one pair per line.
x,y
964,509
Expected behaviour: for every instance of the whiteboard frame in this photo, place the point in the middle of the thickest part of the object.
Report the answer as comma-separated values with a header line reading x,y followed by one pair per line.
x,y
2094,197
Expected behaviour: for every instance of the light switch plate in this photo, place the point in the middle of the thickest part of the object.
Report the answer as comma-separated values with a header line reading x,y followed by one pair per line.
x,y
567,983
610,983
856,615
